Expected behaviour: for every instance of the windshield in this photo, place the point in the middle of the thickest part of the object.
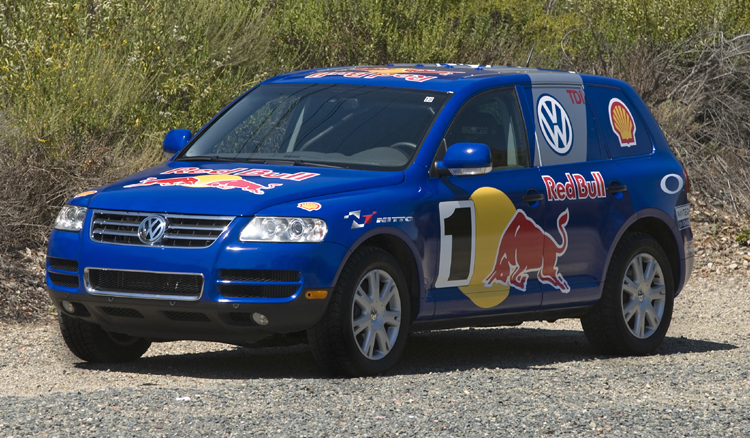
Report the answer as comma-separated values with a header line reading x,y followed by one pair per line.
x,y
360,127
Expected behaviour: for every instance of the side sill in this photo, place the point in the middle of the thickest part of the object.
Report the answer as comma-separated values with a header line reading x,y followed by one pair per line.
x,y
500,320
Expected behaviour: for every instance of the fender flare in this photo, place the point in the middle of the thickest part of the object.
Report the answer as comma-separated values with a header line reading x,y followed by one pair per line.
x,y
392,232
643,214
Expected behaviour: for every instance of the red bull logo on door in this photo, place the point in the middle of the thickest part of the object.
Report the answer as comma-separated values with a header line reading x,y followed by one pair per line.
x,y
487,247
224,182
525,247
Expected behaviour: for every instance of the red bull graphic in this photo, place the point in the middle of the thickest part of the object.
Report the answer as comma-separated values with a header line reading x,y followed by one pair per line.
x,y
409,74
622,122
80,195
525,247
576,187
224,182
242,171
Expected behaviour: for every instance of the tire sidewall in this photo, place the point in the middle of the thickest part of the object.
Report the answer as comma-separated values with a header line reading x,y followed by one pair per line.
x,y
614,293
377,259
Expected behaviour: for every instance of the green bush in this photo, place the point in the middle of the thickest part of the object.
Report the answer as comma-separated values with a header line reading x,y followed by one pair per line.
x,y
88,88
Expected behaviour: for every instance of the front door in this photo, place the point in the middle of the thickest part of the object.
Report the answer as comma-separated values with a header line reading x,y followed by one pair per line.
x,y
491,237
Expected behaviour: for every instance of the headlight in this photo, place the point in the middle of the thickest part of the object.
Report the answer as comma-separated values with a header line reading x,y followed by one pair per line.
x,y
284,229
70,218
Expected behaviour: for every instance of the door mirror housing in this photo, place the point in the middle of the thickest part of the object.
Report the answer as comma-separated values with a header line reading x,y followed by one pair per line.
x,y
467,159
175,140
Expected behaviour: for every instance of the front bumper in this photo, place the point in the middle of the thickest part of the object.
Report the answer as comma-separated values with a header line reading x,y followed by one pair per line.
x,y
212,314
158,320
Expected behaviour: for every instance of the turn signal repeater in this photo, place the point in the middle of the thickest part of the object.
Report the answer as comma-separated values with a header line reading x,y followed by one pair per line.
x,y
316,294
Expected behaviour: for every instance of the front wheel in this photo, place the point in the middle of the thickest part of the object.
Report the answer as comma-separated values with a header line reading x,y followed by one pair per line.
x,y
364,329
91,343
635,309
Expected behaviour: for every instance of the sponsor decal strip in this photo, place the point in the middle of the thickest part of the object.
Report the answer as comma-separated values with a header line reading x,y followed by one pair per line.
x,y
576,187
408,76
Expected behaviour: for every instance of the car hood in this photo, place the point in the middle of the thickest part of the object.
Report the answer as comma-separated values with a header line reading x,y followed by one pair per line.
x,y
227,189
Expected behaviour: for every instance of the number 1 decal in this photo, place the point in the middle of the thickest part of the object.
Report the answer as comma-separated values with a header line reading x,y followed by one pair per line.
x,y
457,243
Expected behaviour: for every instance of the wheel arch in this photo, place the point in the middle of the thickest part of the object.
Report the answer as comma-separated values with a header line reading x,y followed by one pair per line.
x,y
401,247
655,222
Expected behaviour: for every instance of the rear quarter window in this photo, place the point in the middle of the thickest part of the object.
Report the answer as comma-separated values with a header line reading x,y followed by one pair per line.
x,y
624,132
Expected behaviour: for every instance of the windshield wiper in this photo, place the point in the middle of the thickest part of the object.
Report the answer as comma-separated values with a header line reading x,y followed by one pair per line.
x,y
206,158
305,163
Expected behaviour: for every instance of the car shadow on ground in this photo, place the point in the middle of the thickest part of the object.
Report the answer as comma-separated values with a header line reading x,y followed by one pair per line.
x,y
437,351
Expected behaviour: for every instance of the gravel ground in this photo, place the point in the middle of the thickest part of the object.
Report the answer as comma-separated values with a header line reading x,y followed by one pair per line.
x,y
538,379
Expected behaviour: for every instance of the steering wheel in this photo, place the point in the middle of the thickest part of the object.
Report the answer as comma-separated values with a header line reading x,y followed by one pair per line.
x,y
405,147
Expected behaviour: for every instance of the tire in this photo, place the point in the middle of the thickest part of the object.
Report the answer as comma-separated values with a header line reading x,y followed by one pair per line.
x,y
89,342
633,315
346,341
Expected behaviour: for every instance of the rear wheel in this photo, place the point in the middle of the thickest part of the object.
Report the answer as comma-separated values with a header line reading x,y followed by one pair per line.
x,y
364,329
635,309
91,343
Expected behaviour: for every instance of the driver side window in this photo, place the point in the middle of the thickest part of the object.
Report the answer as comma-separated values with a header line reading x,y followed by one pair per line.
x,y
493,118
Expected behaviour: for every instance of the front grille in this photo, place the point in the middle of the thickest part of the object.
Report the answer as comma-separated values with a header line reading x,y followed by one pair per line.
x,y
122,312
256,291
183,231
259,275
63,280
158,285
187,316
63,264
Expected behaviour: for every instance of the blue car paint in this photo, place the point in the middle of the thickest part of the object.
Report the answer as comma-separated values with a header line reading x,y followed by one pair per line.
x,y
594,227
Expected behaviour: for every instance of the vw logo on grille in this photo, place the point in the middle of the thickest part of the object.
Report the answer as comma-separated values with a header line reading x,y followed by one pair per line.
x,y
152,229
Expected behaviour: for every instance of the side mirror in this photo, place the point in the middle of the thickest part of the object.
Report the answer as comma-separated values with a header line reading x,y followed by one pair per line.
x,y
467,159
175,140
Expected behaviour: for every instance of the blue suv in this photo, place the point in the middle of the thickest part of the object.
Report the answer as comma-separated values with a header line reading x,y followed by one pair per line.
x,y
359,204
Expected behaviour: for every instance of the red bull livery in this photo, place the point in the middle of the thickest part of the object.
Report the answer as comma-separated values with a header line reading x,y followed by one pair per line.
x,y
347,207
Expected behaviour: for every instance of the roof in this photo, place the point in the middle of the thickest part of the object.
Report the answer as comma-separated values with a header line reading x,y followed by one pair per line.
x,y
441,77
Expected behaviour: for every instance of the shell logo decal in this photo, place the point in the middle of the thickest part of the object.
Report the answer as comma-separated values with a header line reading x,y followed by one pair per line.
x,y
622,122
309,206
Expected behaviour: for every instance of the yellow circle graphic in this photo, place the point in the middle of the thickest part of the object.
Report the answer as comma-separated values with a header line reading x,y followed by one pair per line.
x,y
493,211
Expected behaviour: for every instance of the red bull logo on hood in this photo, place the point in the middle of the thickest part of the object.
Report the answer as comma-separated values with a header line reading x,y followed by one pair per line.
x,y
224,182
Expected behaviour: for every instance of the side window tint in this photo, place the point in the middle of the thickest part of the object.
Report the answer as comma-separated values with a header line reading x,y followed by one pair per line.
x,y
493,118
624,132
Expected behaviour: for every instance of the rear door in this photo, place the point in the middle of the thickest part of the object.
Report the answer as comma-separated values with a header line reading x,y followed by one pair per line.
x,y
575,176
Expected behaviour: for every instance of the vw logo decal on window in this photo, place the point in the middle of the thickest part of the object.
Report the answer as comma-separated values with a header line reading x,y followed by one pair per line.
x,y
152,229
555,124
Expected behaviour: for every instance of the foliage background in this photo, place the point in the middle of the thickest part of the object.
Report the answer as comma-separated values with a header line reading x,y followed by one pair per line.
x,y
88,88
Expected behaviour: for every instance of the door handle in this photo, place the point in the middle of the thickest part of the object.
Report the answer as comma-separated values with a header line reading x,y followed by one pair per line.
x,y
533,197
615,187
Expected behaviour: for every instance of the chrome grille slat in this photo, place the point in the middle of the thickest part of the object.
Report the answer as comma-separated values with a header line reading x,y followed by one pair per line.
x,y
176,237
195,227
116,233
116,223
183,231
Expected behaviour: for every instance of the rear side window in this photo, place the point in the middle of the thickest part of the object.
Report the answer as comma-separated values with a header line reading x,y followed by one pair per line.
x,y
493,118
623,130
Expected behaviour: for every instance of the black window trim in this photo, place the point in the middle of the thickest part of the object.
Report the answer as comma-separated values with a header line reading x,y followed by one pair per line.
x,y
443,147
